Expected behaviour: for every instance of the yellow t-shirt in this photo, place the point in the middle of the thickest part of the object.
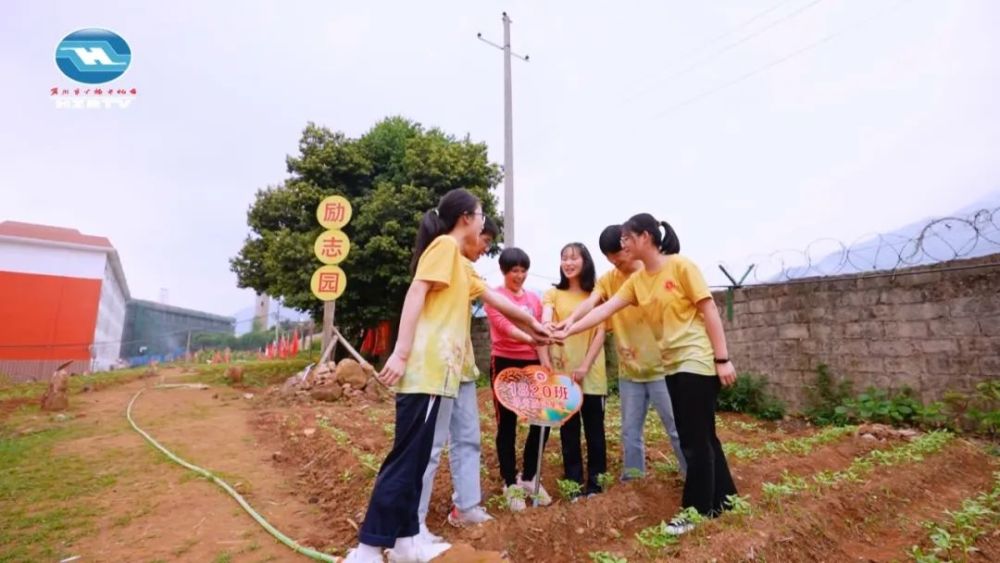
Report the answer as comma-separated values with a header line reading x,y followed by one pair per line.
x,y
572,353
441,338
470,372
667,299
638,352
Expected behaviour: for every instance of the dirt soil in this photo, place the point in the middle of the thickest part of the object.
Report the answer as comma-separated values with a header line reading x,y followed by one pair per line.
x,y
308,468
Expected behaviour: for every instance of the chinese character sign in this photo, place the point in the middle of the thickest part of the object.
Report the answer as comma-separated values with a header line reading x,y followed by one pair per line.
x,y
537,394
334,212
332,247
328,282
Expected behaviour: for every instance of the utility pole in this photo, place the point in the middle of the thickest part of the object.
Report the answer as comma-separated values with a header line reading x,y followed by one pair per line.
x,y
329,309
508,133
277,323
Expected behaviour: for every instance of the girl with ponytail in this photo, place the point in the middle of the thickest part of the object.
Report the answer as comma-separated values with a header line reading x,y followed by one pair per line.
x,y
426,367
677,305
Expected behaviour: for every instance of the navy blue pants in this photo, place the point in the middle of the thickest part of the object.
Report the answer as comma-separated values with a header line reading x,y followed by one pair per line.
x,y
392,511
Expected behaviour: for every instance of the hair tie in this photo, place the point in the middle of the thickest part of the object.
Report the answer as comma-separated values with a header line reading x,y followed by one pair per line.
x,y
435,211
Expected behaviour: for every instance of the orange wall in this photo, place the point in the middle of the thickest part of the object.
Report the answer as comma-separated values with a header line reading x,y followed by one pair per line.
x,y
47,317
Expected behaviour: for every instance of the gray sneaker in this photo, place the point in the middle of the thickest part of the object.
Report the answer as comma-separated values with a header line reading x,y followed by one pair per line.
x,y
472,517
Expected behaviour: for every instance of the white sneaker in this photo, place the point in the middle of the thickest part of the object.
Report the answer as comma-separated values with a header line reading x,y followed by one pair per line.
x,y
361,555
472,517
678,527
515,498
428,536
413,550
544,499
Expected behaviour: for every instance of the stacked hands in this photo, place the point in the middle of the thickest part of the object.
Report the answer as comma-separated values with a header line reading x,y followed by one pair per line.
x,y
560,331
542,334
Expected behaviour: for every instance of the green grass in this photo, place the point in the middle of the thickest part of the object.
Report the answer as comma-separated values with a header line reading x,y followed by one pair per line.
x,y
128,517
256,374
100,380
259,373
37,522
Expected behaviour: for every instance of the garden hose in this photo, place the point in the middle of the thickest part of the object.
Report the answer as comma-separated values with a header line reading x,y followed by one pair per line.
x,y
308,552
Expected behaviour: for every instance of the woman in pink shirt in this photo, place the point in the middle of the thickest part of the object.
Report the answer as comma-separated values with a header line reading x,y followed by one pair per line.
x,y
512,348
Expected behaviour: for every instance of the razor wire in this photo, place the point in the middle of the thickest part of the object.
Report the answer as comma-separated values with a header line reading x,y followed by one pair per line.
x,y
939,240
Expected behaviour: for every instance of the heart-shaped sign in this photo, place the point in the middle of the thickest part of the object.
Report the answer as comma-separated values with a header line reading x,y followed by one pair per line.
x,y
537,394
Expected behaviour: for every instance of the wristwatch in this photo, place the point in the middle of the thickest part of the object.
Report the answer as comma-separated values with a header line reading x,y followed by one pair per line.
x,y
722,360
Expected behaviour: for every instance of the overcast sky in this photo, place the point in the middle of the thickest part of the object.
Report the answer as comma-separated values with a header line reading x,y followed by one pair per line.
x,y
751,125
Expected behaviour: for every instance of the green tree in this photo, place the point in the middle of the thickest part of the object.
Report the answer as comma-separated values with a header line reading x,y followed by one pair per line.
x,y
254,340
212,340
391,175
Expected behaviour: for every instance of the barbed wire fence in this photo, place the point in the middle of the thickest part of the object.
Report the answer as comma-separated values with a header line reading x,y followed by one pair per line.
x,y
939,240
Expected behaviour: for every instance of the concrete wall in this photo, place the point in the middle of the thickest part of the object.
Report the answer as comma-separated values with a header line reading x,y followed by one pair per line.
x,y
931,328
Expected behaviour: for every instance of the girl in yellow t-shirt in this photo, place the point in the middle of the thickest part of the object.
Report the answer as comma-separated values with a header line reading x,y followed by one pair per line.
x,y
680,311
641,382
582,357
426,365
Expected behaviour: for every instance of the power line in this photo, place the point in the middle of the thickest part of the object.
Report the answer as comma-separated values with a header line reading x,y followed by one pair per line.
x,y
735,28
770,65
725,49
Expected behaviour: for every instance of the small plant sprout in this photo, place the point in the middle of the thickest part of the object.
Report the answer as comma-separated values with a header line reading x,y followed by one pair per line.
x,y
569,489
605,480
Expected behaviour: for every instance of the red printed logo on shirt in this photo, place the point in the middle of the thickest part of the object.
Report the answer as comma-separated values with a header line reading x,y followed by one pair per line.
x,y
669,285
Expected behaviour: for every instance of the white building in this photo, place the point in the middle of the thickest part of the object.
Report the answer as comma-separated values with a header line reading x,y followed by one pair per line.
x,y
63,298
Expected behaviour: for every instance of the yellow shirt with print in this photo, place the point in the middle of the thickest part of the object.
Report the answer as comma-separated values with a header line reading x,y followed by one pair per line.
x,y
470,371
572,353
441,337
639,357
667,299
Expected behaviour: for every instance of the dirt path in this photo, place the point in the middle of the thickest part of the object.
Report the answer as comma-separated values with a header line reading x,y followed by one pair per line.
x,y
158,510
308,467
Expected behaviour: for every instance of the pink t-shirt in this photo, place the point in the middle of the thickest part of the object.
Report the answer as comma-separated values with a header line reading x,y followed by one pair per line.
x,y
500,326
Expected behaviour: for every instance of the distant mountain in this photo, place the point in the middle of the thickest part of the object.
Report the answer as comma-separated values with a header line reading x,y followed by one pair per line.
x,y
972,231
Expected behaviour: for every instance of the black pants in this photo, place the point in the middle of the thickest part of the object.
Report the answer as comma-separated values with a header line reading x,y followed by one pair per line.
x,y
507,429
392,511
592,415
708,479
